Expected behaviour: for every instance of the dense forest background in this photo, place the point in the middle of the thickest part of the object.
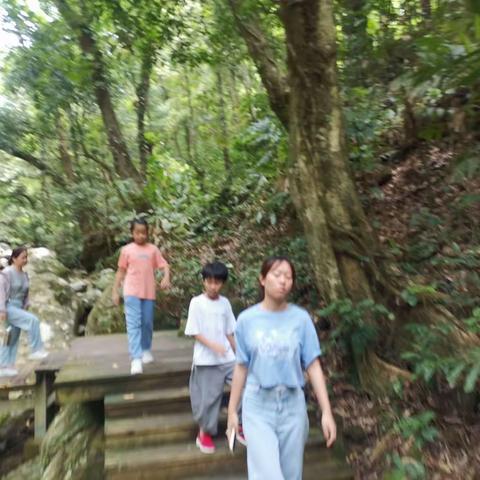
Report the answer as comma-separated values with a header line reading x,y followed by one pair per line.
x,y
343,134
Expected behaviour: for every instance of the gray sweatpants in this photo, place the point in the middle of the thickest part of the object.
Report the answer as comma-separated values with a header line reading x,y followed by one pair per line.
x,y
206,392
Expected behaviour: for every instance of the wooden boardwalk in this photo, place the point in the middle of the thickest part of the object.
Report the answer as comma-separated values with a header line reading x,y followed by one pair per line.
x,y
99,365
149,430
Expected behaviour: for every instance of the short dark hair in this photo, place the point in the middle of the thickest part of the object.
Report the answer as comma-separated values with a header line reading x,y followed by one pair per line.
x,y
16,252
268,264
216,270
138,221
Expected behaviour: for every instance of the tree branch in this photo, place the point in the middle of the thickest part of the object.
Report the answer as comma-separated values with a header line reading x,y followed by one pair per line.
x,y
264,58
87,42
36,162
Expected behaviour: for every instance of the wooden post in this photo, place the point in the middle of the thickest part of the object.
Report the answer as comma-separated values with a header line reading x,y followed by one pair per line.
x,y
42,391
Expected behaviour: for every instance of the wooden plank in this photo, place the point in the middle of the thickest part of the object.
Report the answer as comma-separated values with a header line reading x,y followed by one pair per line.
x,y
106,356
41,406
111,367
26,379
52,363
117,344
99,365
23,381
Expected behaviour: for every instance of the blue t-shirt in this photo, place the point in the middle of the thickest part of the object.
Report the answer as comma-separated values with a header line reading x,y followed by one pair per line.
x,y
276,346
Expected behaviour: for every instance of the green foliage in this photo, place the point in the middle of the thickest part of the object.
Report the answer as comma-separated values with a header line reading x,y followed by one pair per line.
x,y
429,355
406,468
466,168
367,116
358,323
414,293
418,428
49,100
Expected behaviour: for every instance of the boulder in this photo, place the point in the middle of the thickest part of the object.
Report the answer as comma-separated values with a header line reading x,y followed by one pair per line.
x,y
79,286
73,448
105,317
29,470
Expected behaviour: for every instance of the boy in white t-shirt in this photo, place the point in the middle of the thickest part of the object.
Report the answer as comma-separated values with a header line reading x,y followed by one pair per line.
x,y
212,323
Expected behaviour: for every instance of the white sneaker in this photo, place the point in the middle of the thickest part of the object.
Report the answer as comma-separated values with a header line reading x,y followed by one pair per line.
x,y
8,372
136,366
38,355
147,357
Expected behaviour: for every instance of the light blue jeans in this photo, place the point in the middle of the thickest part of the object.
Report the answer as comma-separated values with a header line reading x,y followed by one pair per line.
x,y
275,423
139,319
19,319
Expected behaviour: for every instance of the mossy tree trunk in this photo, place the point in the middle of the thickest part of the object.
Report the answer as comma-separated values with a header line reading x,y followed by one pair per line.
x,y
342,244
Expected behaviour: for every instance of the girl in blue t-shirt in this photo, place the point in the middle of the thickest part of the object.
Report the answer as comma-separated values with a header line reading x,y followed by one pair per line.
x,y
276,341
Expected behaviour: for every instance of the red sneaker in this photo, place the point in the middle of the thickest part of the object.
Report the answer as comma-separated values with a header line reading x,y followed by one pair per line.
x,y
205,443
241,437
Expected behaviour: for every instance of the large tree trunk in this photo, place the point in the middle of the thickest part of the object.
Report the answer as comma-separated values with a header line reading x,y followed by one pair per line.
x,y
340,239
118,147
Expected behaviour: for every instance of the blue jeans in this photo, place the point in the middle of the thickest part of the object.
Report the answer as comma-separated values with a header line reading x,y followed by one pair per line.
x,y
275,423
19,319
139,318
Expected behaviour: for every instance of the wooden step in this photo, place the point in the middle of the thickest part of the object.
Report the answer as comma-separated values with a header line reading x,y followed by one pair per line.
x,y
147,402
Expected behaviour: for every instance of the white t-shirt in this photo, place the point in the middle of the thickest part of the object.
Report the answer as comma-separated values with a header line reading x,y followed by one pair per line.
x,y
214,319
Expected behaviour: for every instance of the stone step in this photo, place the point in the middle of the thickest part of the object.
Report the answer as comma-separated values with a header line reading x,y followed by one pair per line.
x,y
172,461
184,460
311,471
148,402
327,471
160,429
131,432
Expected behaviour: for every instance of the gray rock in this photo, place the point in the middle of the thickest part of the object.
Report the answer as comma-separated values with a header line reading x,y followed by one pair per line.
x,y
79,286
103,279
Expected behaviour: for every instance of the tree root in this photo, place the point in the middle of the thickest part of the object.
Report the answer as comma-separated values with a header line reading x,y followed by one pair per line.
x,y
378,376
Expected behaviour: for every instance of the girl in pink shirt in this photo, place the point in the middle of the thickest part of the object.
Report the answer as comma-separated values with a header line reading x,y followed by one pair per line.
x,y
136,269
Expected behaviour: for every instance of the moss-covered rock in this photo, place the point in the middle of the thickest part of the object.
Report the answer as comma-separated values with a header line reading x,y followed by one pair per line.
x,y
73,448
30,470
43,260
105,317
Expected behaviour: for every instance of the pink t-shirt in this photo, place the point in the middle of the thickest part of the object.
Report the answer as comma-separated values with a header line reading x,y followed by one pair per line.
x,y
140,262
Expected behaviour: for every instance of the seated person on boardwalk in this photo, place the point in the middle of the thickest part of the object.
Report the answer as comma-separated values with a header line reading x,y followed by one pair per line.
x,y
212,323
136,269
276,341
14,317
